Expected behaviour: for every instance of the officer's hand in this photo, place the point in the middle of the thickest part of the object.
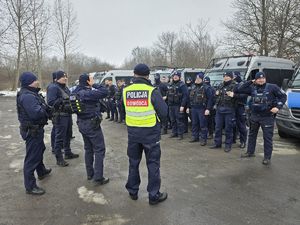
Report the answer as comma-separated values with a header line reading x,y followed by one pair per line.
x,y
90,82
217,92
188,110
206,113
181,109
274,110
230,94
164,98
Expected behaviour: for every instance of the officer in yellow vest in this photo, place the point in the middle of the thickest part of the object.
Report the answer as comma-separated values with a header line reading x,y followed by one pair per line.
x,y
145,110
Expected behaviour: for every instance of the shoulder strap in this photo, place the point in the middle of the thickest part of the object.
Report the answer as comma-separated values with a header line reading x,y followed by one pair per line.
x,y
64,94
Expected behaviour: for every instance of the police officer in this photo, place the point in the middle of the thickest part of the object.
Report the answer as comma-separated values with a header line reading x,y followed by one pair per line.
x,y
119,102
163,89
145,108
240,113
225,108
177,100
33,114
88,121
189,84
201,102
212,112
266,100
58,98
111,100
53,126
106,99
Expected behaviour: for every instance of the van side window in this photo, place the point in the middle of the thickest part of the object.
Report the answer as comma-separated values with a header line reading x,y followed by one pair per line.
x,y
287,74
273,76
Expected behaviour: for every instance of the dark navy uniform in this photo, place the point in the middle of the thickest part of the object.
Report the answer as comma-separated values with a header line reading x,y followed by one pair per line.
x,y
177,97
119,103
212,112
32,115
263,99
142,138
224,114
53,126
58,98
240,116
112,89
88,122
201,99
163,89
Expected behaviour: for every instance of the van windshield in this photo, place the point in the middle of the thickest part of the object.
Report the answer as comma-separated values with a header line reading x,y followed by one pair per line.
x,y
216,77
296,81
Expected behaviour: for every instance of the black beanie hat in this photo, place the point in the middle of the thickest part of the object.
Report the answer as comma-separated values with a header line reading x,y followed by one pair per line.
x,y
60,74
27,78
141,70
83,79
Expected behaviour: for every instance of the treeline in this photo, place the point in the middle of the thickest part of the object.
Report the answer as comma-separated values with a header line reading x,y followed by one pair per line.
x,y
258,27
193,46
41,38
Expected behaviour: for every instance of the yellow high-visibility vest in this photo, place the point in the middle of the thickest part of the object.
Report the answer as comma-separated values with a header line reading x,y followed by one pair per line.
x,y
139,109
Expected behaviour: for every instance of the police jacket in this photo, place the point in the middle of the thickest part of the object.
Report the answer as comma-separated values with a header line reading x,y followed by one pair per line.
x,y
111,91
201,96
177,94
163,89
90,98
225,103
31,107
241,99
118,93
58,98
263,97
148,135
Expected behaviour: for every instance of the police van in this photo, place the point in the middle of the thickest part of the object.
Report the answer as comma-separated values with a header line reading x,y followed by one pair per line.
x,y
189,73
116,75
276,69
288,118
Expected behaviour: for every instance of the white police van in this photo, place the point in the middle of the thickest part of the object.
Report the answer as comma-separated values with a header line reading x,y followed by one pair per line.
x,y
116,75
189,73
288,118
276,69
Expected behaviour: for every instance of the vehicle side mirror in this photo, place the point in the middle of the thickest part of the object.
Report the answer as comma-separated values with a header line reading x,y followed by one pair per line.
x,y
285,84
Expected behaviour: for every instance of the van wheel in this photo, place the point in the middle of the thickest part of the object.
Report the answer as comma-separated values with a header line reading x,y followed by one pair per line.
x,y
282,134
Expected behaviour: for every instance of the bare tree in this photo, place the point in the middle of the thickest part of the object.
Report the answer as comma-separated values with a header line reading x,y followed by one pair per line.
x,y
266,27
199,37
66,25
39,26
166,46
19,14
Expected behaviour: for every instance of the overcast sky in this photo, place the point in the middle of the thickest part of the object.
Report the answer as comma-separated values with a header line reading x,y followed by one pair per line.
x,y
110,29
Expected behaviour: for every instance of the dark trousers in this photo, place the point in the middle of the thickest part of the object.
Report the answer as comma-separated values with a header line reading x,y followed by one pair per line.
x,y
267,125
62,136
33,161
94,147
113,109
121,110
177,120
240,120
199,124
53,137
152,153
211,121
224,120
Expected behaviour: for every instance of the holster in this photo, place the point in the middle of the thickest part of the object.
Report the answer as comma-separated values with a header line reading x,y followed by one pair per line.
x,y
96,121
33,130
